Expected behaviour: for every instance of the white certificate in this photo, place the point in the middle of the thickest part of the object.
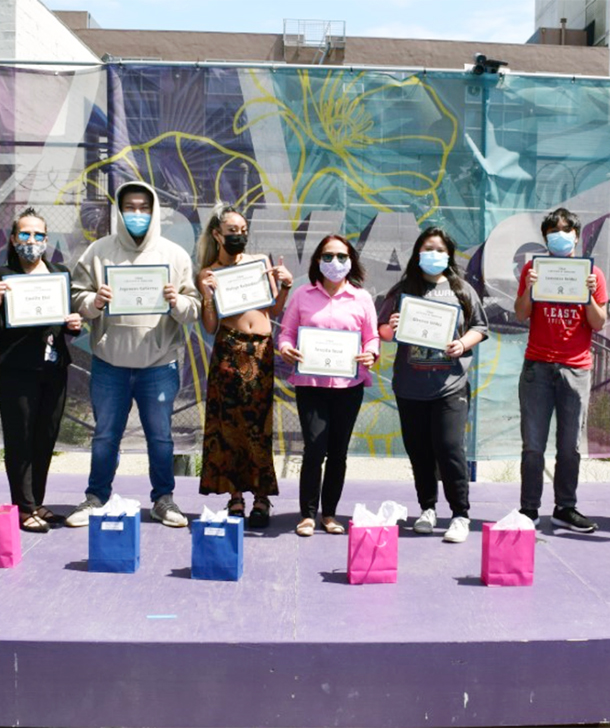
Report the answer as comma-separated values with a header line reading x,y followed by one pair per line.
x,y
328,352
137,289
561,280
37,300
426,323
242,288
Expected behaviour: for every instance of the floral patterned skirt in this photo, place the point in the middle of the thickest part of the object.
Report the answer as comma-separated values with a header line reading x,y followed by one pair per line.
x,y
238,436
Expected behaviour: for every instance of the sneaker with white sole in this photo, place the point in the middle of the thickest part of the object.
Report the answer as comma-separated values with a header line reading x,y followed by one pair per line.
x,y
426,522
571,519
80,515
458,530
167,512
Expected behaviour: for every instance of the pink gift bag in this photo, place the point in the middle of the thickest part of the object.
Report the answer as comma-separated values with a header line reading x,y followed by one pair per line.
x,y
508,556
372,554
10,538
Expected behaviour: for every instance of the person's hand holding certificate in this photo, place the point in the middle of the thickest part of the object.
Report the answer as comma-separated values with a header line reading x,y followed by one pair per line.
x,y
242,288
328,352
426,323
561,280
137,289
37,300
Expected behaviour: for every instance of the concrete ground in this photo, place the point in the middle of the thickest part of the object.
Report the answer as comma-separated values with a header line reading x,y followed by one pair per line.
x,y
358,468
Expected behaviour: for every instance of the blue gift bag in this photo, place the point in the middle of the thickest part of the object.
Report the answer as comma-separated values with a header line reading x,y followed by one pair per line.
x,y
218,549
114,543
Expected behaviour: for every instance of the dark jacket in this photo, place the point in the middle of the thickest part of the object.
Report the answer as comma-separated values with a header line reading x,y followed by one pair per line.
x,y
24,347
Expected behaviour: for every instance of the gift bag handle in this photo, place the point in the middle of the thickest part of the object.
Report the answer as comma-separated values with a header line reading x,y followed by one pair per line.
x,y
507,532
375,544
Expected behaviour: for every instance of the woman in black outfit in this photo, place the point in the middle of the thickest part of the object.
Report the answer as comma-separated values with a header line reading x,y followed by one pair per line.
x,y
430,385
33,376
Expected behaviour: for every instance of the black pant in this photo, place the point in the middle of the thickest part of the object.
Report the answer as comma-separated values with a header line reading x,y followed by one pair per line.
x,y
433,432
31,406
327,419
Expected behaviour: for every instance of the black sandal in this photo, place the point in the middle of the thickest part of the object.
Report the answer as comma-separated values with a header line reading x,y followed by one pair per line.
x,y
259,515
47,515
236,507
32,523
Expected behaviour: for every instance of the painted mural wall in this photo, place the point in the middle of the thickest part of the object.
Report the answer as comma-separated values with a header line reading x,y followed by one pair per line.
x,y
305,151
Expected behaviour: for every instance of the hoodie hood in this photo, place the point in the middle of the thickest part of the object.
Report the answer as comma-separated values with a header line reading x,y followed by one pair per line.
x,y
154,229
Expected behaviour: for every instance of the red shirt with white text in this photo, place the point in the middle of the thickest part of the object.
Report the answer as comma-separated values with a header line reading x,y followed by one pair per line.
x,y
560,332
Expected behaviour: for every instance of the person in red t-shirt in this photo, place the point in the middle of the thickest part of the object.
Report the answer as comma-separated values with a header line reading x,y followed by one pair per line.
x,y
556,376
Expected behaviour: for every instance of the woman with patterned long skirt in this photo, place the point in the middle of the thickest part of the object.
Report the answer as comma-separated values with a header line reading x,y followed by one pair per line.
x,y
238,434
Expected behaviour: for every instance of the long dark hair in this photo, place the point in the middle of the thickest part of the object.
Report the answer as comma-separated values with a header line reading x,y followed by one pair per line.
x,y
356,274
413,281
12,258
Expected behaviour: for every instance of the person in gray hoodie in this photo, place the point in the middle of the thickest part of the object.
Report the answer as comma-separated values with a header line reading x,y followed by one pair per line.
x,y
134,356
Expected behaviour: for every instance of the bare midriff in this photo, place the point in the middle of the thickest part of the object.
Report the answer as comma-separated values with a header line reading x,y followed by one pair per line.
x,y
249,322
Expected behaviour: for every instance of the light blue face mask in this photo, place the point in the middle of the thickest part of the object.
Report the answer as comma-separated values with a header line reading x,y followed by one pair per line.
x,y
561,243
137,223
433,262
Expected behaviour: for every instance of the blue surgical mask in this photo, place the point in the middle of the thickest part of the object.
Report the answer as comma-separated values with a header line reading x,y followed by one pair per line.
x,y
30,251
335,271
433,262
137,223
561,244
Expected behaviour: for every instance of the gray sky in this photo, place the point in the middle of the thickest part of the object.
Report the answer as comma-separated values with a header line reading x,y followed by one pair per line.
x,y
496,22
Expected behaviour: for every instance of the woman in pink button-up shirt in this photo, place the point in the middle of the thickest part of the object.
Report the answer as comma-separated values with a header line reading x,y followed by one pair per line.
x,y
328,405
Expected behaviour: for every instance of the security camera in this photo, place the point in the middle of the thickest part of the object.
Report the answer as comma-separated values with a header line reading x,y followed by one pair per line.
x,y
492,66
482,64
479,64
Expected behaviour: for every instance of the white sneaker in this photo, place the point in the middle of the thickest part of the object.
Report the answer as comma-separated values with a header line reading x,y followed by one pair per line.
x,y
167,512
458,530
80,515
426,522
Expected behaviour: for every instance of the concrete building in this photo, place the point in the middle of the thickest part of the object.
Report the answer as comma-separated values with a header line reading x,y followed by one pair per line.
x,y
74,35
353,50
31,32
571,22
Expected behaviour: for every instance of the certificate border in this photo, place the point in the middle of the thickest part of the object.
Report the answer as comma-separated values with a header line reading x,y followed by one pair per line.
x,y
565,299
45,321
109,305
432,303
316,373
224,313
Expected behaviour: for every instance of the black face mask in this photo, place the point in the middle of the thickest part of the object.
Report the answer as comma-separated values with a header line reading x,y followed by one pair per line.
x,y
235,244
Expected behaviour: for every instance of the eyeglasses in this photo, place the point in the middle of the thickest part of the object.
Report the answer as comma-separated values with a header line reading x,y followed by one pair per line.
x,y
328,257
24,237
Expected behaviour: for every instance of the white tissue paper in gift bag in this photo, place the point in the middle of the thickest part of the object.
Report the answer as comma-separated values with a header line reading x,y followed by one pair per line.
x,y
117,506
208,515
514,521
389,514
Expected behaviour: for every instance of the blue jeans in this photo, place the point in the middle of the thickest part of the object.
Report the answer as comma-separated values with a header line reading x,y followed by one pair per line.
x,y
544,387
113,390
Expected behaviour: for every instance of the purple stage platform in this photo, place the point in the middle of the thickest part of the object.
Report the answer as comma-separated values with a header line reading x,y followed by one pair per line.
x,y
291,643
